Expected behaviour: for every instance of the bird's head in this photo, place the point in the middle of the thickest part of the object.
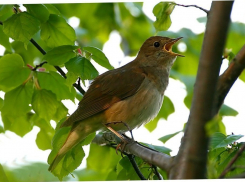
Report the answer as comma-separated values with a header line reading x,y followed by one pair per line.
x,y
157,50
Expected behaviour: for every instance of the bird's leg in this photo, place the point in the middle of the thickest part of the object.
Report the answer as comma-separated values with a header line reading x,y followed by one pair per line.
x,y
124,139
125,124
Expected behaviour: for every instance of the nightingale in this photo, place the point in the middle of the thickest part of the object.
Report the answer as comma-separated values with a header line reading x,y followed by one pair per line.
x,y
130,96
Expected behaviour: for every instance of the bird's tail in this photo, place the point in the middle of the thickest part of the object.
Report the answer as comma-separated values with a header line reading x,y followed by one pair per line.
x,y
75,136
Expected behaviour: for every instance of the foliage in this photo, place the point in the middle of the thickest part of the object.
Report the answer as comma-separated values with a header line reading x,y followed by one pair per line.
x,y
35,95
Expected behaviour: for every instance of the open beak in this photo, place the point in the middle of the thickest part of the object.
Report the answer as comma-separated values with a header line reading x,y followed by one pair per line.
x,y
168,46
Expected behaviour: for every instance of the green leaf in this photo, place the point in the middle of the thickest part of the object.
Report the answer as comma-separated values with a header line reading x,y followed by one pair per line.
x,y
5,11
60,55
82,67
19,124
16,101
4,41
227,111
56,32
3,176
21,27
105,155
219,140
162,149
39,11
166,109
99,57
1,103
88,139
215,125
12,67
45,104
44,138
52,9
60,113
70,162
56,83
165,138
162,13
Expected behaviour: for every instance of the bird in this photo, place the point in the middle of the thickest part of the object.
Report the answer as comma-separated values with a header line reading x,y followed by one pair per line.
x,y
123,98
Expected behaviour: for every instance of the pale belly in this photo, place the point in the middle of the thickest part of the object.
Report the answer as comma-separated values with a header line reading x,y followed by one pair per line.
x,y
135,110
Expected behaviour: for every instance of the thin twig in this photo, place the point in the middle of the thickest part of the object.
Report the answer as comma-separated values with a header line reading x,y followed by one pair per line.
x,y
135,166
206,11
159,176
233,160
39,65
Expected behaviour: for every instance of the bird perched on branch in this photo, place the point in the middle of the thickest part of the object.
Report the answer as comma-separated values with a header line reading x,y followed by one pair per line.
x,y
123,98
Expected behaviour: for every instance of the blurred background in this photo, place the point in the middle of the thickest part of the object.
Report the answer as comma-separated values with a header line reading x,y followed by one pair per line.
x,y
119,29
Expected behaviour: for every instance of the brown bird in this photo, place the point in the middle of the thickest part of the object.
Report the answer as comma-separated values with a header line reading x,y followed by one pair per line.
x,y
132,94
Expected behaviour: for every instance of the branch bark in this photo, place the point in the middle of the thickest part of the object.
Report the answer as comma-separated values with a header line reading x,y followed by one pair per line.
x,y
151,156
190,163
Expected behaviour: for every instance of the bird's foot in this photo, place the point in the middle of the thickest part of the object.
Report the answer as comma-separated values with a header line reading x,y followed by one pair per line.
x,y
125,124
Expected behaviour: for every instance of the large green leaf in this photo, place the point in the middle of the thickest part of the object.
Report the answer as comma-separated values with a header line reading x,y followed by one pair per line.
x,y
215,125
105,155
11,68
5,11
56,32
16,101
166,109
21,27
1,103
57,84
60,55
45,104
219,140
19,124
82,67
39,11
162,13
3,176
99,57
4,41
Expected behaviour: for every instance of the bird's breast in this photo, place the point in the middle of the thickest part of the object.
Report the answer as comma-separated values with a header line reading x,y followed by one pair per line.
x,y
137,109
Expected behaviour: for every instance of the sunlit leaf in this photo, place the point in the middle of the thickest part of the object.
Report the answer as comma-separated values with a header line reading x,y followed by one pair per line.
x,y
21,27
56,32
4,41
99,57
165,138
162,13
45,104
1,103
12,67
60,55
56,83
39,11
219,140
227,111
215,125
16,101
82,67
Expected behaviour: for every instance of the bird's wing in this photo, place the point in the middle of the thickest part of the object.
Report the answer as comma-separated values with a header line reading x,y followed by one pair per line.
x,y
107,89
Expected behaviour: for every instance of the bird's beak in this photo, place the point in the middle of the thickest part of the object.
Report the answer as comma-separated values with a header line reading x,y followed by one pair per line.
x,y
168,46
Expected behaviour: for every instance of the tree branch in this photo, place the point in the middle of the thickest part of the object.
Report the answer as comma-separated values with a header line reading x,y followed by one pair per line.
x,y
233,160
227,79
190,163
135,166
206,11
151,156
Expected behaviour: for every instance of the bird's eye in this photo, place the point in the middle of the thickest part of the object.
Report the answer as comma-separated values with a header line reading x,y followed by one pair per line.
x,y
156,44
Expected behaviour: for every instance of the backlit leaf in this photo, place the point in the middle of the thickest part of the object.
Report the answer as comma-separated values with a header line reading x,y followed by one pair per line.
x,y
99,57
60,55
12,67
21,27
165,138
56,32
162,13
82,67
39,11
4,41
